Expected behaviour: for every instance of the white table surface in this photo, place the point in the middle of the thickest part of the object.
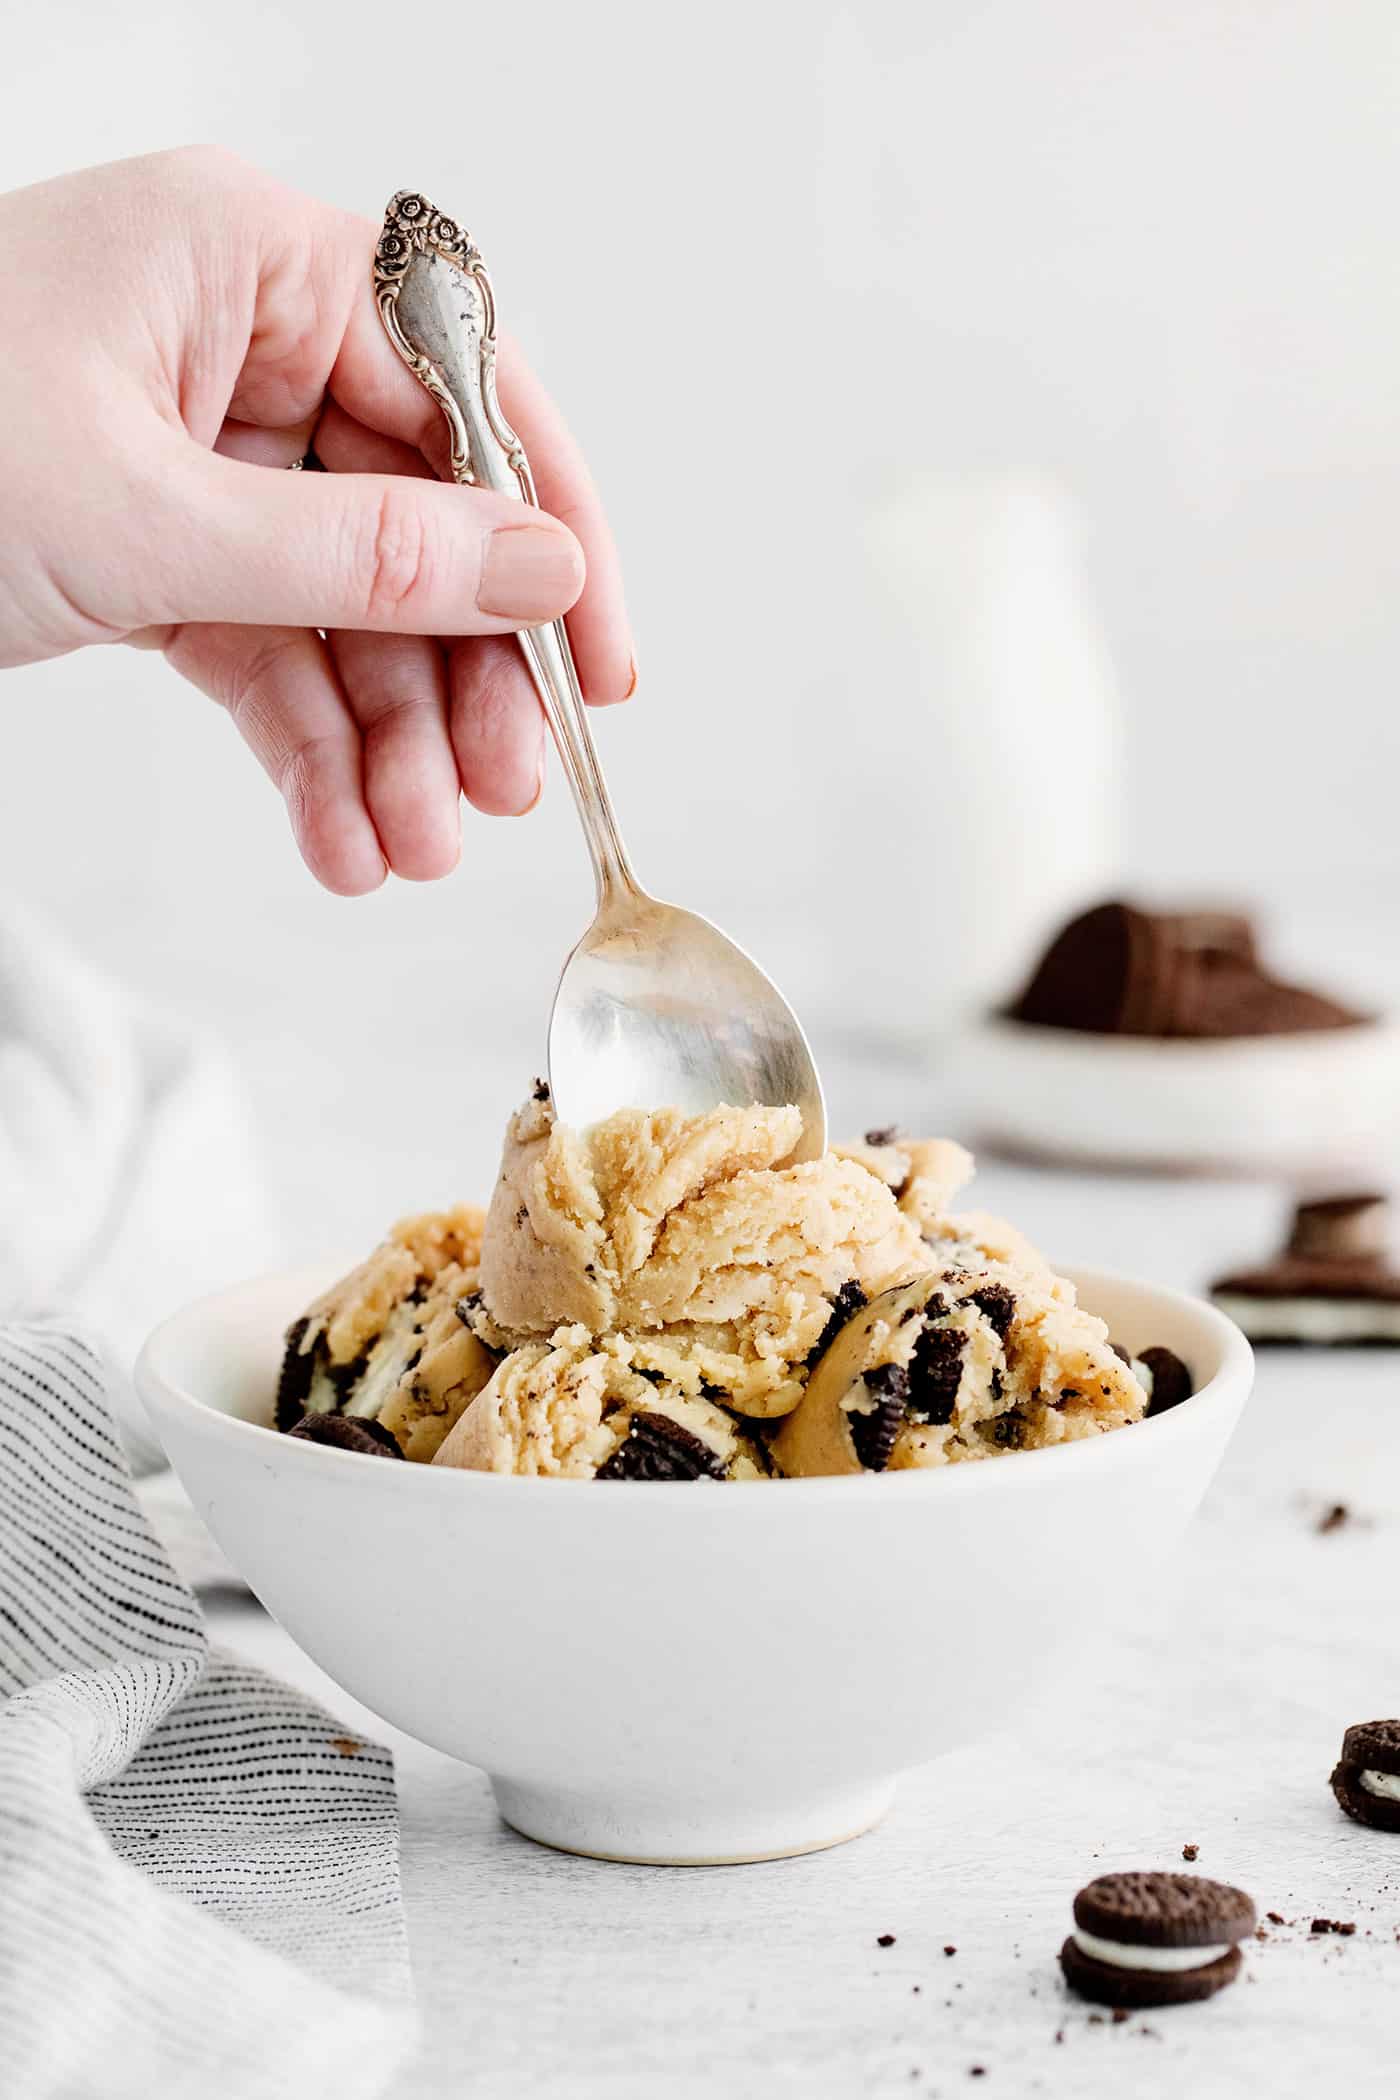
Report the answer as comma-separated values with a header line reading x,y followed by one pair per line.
x,y
1212,1719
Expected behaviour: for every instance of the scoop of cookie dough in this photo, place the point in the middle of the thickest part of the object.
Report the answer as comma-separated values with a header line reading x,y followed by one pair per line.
x,y
688,1226
390,1343
662,1298
962,1363
579,1408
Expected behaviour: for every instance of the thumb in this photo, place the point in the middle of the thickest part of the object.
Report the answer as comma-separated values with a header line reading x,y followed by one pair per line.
x,y
381,553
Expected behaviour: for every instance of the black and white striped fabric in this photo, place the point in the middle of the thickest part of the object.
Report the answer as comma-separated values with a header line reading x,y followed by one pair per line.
x,y
199,1883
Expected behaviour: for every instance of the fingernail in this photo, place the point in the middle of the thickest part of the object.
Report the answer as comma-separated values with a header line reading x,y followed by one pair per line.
x,y
529,573
632,681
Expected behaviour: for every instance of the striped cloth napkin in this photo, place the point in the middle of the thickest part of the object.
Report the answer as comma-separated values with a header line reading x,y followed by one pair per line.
x,y
199,1881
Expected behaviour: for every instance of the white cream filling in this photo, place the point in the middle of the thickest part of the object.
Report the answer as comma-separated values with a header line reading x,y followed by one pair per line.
x,y
1384,1785
1312,1319
1119,1955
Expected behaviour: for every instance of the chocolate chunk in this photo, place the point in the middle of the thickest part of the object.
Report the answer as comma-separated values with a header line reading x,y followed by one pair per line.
x,y
347,1433
849,1299
935,1373
298,1371
873,1432
1171,1381
997,1306
887,1134
1191,1853
656,1448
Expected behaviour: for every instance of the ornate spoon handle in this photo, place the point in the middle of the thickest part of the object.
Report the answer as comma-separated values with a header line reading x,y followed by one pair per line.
x,y
439,311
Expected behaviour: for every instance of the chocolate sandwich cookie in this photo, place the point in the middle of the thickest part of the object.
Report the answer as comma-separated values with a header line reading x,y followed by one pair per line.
x,y
1118,970
1155,1939
1366,1778
346,1433
1335,1281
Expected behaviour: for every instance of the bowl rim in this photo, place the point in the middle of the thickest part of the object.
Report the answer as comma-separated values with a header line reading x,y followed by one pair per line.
x,y
1235,1371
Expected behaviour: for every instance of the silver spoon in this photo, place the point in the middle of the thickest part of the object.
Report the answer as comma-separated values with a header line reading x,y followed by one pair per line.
x,y
656,1007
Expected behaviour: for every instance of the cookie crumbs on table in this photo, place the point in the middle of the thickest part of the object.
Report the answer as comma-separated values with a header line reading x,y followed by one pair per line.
x,y
1191,1852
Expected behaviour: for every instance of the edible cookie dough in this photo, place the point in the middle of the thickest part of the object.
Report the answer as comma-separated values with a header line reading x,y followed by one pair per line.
x,y
662,1298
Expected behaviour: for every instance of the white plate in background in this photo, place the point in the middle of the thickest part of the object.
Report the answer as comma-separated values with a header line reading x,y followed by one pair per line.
x,y
1318,1104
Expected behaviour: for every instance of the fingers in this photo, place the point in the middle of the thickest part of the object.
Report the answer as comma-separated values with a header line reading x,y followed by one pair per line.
x,y
496,726
599,629
493,743
280,689
396,687
376,390
381,553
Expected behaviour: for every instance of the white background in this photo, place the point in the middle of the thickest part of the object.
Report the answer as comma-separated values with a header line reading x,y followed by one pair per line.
x,y
777,260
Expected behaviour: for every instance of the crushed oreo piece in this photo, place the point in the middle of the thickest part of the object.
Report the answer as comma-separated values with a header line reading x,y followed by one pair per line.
x,y
997,1306
656,1448
1171,1381
873,1433
539,1091
347,1433
1190,1853
935,1373
849,1300
1008,1431
1334,1518
294,1383
887,1134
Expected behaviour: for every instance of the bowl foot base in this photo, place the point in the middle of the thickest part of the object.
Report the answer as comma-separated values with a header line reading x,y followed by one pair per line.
x,y
678,1834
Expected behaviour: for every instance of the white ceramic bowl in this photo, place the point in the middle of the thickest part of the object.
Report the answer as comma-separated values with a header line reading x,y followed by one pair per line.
x,y
671,1672
1319,1103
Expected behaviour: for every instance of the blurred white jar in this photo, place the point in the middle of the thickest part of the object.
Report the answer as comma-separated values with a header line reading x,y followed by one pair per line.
x,y
981,778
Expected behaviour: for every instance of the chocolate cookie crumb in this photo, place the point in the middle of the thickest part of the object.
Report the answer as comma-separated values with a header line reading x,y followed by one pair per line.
x,y
850,1299
1334,1518
935,1373
347,1433
656,1448
1190,1852
540,1090
1171,1381
998,1307
950,1950
1119,2015
1275,1917
885,1939
887,1134
873,1433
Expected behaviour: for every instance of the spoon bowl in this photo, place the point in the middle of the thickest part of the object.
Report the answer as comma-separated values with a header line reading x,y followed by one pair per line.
x,y
656,1005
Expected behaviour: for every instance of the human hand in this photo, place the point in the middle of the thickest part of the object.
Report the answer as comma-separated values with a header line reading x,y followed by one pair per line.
x,y
174,325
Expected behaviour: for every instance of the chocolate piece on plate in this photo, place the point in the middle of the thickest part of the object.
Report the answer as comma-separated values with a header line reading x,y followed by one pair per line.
x,y
1155,1939
1119,970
